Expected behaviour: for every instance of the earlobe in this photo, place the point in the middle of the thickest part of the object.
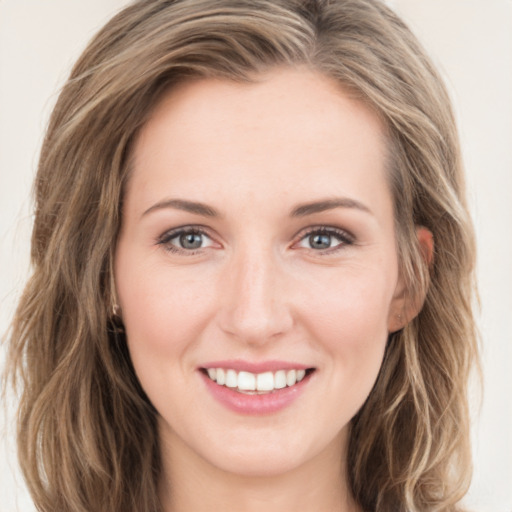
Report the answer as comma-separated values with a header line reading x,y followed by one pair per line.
x,y
407,305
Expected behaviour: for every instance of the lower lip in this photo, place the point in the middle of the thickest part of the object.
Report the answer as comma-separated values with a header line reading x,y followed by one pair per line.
x,y
267,403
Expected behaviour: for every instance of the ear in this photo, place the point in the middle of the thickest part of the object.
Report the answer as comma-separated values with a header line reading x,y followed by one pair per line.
x,y
114,307
404,307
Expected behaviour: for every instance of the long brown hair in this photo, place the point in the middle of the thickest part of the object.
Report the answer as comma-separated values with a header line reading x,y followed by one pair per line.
x,y
87,435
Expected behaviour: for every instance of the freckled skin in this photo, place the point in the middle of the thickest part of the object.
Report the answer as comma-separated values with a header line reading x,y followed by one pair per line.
x,y
256,289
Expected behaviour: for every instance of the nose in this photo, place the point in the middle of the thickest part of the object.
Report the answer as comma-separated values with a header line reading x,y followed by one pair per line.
x,y
255,306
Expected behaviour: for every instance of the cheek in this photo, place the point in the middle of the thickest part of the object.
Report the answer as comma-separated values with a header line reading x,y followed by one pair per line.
x,y
163,310
164,315
349,321
351,307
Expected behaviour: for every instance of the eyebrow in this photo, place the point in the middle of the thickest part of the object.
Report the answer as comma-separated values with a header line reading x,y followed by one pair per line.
x,y
187,206
328,204
301,210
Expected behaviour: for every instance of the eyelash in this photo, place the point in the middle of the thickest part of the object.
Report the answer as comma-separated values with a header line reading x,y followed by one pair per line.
x,y
165,239
345,238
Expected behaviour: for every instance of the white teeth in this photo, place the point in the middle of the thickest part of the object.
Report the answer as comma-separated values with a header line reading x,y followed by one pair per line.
x,y
246,381
280,379
221,376
231,379
258,383
265,381
291,377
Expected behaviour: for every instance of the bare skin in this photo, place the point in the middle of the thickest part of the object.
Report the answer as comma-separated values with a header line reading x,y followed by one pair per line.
x,y
257,227
193,484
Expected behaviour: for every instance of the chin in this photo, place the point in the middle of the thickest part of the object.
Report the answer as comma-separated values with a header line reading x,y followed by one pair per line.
x,y
261,462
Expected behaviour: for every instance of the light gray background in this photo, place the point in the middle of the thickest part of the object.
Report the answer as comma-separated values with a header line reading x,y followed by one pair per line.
x,y
471,42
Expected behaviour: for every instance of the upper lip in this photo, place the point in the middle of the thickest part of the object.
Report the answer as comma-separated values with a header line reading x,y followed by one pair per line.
x,y
240,365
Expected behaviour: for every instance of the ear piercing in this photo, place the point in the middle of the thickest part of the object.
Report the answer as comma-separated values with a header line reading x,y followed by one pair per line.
x,y
116,319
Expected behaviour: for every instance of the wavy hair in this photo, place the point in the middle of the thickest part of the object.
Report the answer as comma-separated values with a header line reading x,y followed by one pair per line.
x,y
87,436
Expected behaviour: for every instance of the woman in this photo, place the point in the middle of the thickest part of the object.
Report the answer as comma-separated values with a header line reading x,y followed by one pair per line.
x,y
253,269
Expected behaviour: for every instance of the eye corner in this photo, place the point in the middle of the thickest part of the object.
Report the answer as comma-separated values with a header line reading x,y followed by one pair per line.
x,y
175,240
324,237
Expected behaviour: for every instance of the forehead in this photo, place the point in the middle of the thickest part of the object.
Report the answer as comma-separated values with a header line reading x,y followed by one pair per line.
x,y
287,128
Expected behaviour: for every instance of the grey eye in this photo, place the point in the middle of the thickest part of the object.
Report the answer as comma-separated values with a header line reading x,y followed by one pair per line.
x,y
325,239
185,240
320,241
191,240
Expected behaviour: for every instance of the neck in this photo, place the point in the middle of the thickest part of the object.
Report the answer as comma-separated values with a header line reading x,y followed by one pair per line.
x,y
189,482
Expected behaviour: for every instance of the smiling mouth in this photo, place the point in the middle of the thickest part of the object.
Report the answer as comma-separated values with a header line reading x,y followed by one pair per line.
x,y
256,383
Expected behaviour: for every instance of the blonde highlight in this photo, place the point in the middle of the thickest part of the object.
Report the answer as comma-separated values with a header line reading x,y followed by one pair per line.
x,y
86,431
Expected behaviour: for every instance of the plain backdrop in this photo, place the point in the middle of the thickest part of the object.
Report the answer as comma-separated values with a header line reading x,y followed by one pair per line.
x,y
469,40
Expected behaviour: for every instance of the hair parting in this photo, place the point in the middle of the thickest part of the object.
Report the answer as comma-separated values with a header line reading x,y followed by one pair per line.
x,y
86,431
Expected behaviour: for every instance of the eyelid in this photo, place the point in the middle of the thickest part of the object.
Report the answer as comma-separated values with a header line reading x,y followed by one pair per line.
x,y
346,238
165,238
343,235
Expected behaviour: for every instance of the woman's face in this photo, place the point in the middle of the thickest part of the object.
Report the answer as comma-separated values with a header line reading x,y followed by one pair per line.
x,y
258,245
